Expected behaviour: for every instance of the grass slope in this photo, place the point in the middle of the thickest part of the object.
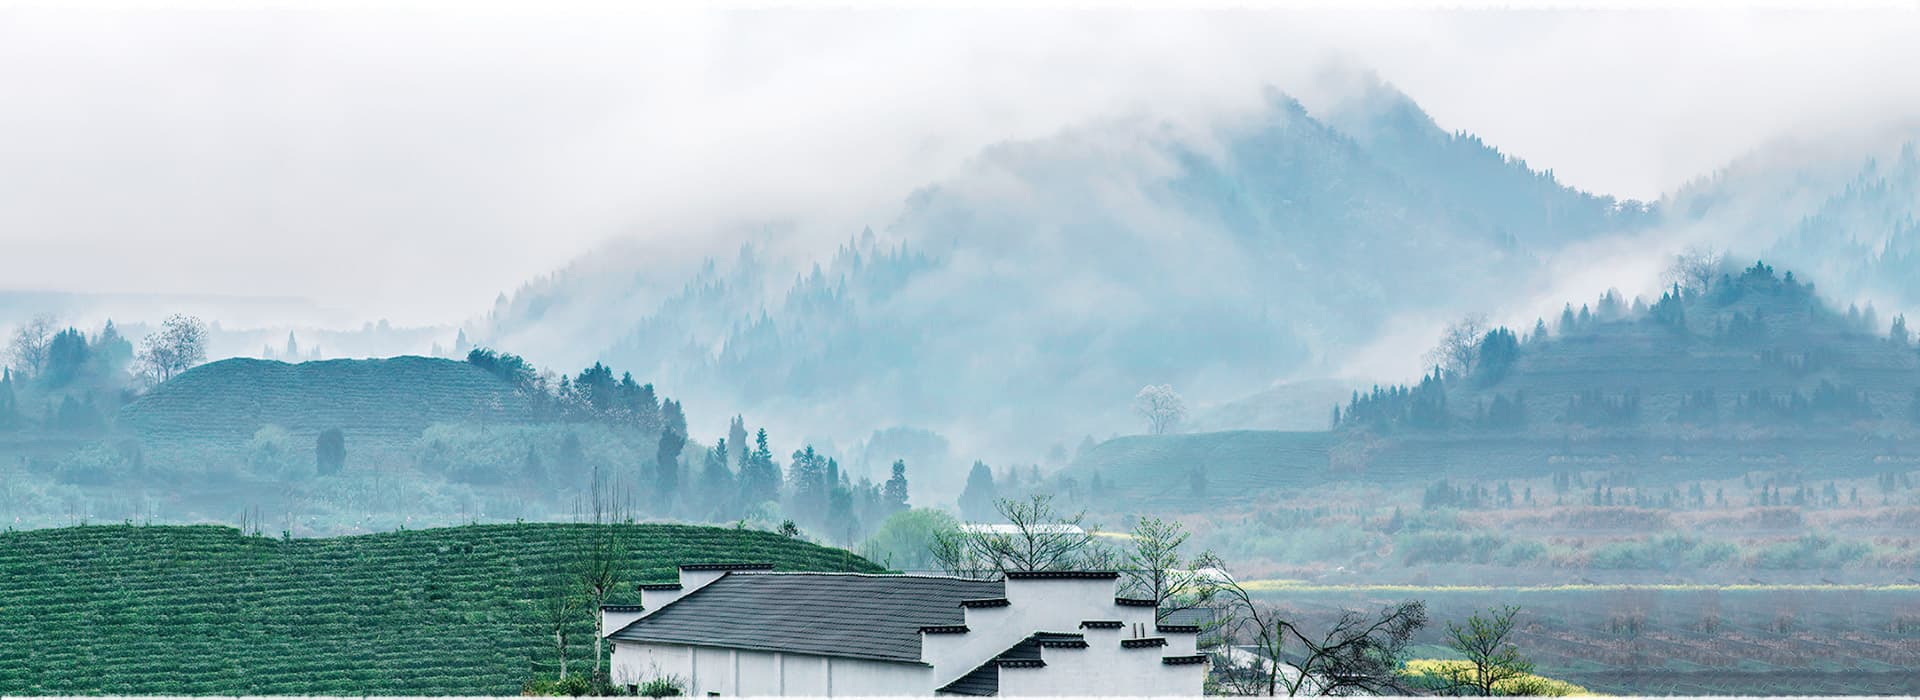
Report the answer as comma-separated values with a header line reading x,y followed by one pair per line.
x,y
202,610
392,397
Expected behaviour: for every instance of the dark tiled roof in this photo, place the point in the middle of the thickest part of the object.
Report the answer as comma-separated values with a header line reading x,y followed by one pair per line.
x,y
659,586
726,567
849,615
985,679
944,629
1184,660
1097,575
1176,629
1143,642
1134,602
985,603
1102,624
622,608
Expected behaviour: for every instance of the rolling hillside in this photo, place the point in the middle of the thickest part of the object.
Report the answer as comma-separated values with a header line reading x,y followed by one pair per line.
x,y
1755,356
1755,374
209,611
394,397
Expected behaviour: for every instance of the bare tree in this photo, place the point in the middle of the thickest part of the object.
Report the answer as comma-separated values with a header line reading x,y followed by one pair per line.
x,y
604,553
1359,654
1035,538
1459,344
1695,268
179,345
31,344
1155,570
1492,658
1161,406
558,609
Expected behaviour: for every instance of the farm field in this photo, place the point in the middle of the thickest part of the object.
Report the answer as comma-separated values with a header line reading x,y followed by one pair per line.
x,y
1679,640
205,610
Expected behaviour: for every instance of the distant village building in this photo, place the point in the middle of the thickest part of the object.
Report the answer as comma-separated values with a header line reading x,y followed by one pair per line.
x,y
744,630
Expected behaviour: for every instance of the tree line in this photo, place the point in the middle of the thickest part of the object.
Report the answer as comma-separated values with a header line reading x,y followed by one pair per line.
x,y
63,378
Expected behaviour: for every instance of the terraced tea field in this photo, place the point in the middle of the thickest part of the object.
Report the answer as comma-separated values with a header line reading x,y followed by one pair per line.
x,y
392,398
204,610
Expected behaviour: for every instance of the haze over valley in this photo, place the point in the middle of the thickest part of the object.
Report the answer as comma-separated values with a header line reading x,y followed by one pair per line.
x,y
1607,315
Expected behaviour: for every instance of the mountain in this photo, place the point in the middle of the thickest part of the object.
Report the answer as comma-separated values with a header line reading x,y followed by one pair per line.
x,y
1025,300
393,398
204,610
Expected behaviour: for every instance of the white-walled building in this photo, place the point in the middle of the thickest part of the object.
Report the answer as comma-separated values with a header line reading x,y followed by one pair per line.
x,y
744,630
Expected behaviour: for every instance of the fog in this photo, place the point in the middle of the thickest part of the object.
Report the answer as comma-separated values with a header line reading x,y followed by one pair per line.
x,y
412,163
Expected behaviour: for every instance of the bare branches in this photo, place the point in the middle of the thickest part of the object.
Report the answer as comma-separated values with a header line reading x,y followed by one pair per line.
x,y
603,555
1035,538
179,345
1161,406
558,609
1359,654
32,343
1458,345
1154,569
1695,268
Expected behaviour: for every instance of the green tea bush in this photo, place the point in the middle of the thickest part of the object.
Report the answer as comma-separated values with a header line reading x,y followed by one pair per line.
x,y
203,610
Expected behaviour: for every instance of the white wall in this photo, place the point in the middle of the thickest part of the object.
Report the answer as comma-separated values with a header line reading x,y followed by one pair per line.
x,y
1103,668
690,581
653,600
612,620
735,673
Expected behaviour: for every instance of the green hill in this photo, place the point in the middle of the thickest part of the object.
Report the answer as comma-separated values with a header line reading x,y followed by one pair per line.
x,y
201,610
391,398
1754,356
1752,372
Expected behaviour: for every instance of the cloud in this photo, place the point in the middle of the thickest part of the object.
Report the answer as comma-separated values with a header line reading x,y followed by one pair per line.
x,y
412,162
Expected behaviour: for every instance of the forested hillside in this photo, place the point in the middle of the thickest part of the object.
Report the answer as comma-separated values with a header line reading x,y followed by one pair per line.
x,y
1734,353
133,610
1735,369
1055,277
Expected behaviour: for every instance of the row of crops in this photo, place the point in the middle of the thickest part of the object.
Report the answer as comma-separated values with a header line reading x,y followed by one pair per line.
x,y
381,398
204,610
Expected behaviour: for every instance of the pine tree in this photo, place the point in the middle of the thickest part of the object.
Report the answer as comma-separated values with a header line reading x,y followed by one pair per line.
x,y
759,477
9,404
807,477
737,436
666,469
977,498
896,488
716,480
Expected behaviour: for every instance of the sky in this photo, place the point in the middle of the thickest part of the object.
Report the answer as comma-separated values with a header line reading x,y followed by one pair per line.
x,y
412,163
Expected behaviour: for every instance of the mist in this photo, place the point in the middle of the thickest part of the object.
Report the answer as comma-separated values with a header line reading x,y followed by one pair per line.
x,y
227,152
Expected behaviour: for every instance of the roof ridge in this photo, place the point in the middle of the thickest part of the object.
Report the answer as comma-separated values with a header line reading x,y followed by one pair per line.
x,y
864,575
